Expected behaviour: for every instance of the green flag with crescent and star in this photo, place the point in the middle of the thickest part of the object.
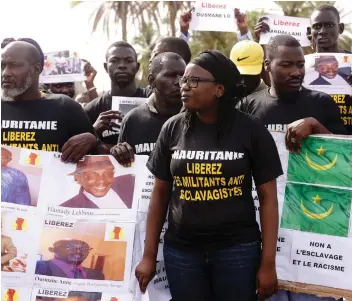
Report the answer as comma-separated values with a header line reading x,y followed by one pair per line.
x,y
322,160
316,209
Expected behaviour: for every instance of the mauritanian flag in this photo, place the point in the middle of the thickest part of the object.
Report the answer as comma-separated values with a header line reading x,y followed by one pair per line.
x,y
322,160
316,209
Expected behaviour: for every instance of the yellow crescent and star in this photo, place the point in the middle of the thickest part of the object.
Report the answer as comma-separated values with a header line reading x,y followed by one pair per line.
x,y
321,152
312,215
317,199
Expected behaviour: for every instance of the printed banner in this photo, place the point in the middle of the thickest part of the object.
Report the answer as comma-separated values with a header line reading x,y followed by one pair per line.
x,y
295,27
315,234
331,73
62,66
213,16
56,244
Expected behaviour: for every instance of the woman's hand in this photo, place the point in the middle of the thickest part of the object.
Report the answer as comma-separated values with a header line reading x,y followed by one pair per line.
x,y
266,281
145,272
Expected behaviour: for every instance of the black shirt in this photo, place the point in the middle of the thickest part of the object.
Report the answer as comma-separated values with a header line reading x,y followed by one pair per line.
x,y
211,204
277,113
140,128
102,104
42,124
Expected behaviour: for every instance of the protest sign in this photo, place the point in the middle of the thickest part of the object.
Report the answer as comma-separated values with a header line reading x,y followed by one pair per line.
x,y
101,253
62,66
315,237
158,288
309,243
125,104
45,294
77,189
295,27
328,73
213,16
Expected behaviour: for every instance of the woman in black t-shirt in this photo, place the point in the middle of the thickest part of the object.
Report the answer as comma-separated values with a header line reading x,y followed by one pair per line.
x,y
203,165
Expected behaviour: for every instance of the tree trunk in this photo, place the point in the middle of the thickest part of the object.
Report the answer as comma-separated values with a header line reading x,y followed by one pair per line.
x,y
124,20
172,17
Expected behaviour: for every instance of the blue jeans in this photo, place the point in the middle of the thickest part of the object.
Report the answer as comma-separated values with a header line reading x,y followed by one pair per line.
x,y
222,275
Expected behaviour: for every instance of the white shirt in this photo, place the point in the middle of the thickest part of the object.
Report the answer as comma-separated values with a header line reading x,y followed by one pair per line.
x,y
338,80
110,201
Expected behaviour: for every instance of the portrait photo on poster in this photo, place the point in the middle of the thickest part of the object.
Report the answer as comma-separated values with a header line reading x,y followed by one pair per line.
x,y
85,251
95,182
21,175
62,66
17,254
329,73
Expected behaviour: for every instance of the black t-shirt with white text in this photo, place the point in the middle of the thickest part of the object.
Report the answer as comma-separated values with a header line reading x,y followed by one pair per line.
x,y
140,128
211,204
42,124
276,113
102,104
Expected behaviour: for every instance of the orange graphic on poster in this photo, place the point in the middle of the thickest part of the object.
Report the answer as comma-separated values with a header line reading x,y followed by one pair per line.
x,y
117,233
32,159
114,299
19,224
10,295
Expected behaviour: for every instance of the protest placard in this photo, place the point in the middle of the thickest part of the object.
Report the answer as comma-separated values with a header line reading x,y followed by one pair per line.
x,y
329,73
125,104
50,294
62,66
293,26
19,244
213,16
305,251
96,187
84,253
21,178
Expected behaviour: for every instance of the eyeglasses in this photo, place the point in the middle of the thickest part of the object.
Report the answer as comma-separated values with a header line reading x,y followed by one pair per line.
x,y
192,82
71,248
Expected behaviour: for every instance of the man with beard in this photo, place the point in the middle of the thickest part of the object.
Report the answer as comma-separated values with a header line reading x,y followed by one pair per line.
x,y
29,120
69,255
141,126
99,187
287,106
122,66
287,101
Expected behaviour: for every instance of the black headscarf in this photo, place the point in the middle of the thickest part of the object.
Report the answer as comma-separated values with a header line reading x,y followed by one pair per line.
x,y
225,73
222,69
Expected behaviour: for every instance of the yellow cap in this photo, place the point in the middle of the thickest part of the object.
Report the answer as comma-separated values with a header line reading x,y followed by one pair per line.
x,y
248,56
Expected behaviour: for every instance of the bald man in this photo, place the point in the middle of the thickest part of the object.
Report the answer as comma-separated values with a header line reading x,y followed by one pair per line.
x,y
29,120
69,254
14,183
